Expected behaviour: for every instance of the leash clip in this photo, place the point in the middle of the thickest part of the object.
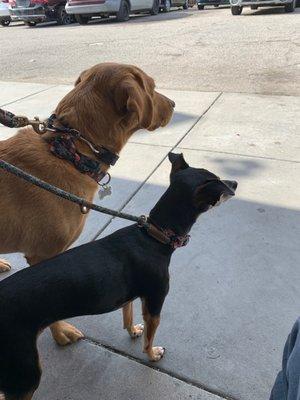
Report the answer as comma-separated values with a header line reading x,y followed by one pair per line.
x,y
20,121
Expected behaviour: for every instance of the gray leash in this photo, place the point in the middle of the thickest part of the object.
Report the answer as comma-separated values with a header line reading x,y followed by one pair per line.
x,y
142,220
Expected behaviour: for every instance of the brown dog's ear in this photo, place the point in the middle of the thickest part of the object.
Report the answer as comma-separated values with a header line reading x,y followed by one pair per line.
x,y
134,98
80,78
178,162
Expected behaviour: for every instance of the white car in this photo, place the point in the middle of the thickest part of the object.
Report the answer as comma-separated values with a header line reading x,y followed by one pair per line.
x,y
84,10
5,19
237,5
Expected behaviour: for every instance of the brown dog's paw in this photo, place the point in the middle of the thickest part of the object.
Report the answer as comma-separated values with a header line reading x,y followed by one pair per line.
x,y
136,331
64,333
4,267
156,353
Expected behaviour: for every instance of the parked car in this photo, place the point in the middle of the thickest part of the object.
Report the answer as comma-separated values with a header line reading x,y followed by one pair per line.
x,y
33,12
85,10
166,5
5,18
215,3
237,5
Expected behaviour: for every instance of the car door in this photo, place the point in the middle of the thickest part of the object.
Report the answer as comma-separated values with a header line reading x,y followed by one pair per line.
x,y
141,5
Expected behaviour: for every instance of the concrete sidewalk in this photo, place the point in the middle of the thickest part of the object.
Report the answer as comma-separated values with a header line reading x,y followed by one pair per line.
x,y
235,288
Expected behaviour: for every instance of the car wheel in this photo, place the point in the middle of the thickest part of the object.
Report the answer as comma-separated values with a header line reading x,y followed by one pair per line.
x,y
200,7
30,23
63,18
155,8
124,11
290,7
236,10
167,6
254,7
216,5
5,21
186,5
82,19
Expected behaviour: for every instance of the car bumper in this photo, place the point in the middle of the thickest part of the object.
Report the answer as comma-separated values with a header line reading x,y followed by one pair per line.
x,y
212,2
4,12
259,3
36,13
103,7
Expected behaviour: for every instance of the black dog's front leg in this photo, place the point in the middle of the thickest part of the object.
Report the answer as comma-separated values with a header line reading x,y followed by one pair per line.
x,y
133,330
151,314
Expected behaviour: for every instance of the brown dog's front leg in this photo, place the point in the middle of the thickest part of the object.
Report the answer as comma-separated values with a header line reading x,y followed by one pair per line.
x,y
133,330
4,267
64,333
151,324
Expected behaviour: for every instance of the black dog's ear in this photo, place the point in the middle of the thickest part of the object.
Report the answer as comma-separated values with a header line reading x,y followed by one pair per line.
x,y
178,162
212,193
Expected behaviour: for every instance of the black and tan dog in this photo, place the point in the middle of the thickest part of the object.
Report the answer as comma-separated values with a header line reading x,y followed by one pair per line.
x,y
102,276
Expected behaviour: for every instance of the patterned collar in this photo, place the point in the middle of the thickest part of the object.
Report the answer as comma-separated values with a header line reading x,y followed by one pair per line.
x,y
167,236
63,146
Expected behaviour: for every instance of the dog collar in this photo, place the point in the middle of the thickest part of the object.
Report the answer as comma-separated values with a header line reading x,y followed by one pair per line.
x,y
63,146
102,153
167,236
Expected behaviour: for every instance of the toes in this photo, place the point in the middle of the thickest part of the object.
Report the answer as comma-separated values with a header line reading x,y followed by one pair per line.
x,y
4,266
157,353
66,334
137,331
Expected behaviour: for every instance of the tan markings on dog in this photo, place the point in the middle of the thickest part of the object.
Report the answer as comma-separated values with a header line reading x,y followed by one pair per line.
x,y
65,333
133,330
4,267
107,105
151,324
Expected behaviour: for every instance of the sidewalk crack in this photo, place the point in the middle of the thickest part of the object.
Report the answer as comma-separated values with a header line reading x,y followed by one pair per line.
x,y
159,369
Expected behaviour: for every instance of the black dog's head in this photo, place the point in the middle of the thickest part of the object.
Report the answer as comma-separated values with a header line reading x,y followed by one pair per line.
x,y
192,191
205,189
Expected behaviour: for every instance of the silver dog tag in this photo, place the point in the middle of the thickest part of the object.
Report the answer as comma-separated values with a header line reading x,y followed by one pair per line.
x,y
105,190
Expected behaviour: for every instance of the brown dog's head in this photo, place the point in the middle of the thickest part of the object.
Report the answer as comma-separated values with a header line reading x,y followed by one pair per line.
x,y
111,101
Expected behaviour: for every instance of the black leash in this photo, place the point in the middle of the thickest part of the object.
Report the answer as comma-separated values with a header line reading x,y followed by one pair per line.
x,y
142,220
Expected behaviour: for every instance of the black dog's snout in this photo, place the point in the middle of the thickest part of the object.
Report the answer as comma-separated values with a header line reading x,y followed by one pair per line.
x,y
234,185
231,184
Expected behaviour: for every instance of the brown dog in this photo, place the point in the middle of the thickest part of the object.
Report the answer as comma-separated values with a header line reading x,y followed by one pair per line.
x,y
107,105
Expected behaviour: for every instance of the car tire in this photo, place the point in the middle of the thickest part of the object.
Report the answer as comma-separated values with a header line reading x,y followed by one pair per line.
x,y
216,5
200,7
236,10
82,19
124,11
5,21
186,5
31,24
290,7
155,8
167,6
254,7
62,17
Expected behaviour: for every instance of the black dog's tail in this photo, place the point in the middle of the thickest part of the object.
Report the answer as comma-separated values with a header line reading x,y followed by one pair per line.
x,y
20,370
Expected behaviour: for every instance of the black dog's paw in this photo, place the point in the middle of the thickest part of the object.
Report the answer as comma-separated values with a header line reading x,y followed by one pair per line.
x,y
136,331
